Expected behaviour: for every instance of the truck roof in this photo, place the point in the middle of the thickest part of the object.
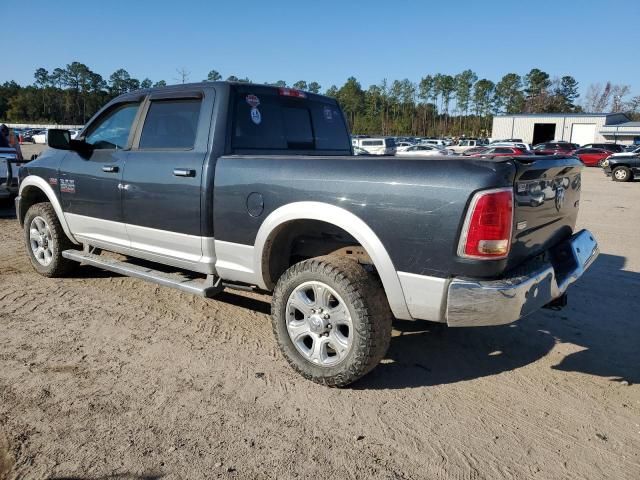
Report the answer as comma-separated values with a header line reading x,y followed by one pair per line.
x,y
203,85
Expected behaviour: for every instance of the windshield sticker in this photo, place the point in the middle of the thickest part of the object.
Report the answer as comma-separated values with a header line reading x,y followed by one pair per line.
x,y
256,117
328,114
253,100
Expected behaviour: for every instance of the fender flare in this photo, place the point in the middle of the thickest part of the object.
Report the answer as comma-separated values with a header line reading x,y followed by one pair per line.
x,y
350,223
41,184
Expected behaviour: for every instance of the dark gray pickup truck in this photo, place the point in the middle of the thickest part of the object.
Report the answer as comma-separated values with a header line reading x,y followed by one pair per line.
x,y
219,185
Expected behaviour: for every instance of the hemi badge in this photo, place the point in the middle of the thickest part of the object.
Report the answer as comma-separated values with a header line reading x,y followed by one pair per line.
x,y
521,225
53,181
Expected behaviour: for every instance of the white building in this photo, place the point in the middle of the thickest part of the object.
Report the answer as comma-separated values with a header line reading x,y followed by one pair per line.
x,y
580,128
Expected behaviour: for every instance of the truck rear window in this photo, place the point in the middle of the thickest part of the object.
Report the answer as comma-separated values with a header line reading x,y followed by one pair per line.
x,y
265,120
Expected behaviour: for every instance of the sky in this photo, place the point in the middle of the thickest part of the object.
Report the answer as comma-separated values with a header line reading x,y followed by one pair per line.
x,y
328,41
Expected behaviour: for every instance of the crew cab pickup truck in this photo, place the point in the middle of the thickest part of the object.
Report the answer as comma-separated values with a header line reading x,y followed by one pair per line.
x,y
219,185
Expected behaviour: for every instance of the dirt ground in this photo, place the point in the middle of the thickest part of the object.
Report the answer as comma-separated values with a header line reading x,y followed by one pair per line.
x,y
103,376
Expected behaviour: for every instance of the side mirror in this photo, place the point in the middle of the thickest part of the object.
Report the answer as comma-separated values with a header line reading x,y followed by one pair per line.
x,y
59,139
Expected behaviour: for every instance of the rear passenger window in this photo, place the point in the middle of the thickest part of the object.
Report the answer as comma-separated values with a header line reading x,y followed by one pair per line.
x,y
171,124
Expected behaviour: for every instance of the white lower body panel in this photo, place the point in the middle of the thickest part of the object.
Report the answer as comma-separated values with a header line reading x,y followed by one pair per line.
x,y
190,252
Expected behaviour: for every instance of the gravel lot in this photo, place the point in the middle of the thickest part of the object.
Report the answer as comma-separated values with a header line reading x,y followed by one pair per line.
x,y
103,376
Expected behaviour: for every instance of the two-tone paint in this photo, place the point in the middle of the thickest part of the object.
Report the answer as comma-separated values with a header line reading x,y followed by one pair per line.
x,y
220,219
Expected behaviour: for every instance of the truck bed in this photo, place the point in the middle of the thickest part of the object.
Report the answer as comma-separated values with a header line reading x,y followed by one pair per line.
x,y
416,207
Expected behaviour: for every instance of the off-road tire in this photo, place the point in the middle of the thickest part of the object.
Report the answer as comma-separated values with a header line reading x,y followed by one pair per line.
x,y
366,301
627,174
59,265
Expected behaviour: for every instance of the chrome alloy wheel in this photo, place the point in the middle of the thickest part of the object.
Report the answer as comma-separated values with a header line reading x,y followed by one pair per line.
x,y
319,324
620,174
41,241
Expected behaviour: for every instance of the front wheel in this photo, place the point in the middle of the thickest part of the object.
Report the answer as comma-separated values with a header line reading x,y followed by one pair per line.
x,y
45,241
331,320
621,174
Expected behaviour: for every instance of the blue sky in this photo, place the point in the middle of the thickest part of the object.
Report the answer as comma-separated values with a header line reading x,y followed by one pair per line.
x,y
328,41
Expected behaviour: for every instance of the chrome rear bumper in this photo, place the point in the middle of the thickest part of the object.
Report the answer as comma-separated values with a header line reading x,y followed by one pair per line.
x,y
497,302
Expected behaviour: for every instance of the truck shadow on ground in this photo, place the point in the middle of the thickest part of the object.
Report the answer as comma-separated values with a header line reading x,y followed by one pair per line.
x,y
7,209
600,321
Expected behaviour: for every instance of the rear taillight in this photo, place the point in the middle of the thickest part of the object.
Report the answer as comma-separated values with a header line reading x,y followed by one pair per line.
x,y
291,92
487,229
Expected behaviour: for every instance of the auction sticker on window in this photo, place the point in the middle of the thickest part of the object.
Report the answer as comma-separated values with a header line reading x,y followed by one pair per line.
x,y
252,100
328,114
256,117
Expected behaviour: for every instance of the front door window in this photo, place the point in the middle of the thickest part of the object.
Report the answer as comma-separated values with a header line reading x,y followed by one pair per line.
x,y
112,131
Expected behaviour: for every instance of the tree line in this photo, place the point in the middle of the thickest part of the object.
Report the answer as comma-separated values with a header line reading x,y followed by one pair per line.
x,y
440,104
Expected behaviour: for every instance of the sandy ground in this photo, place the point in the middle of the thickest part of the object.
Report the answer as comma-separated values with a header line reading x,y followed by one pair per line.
x,y
103,376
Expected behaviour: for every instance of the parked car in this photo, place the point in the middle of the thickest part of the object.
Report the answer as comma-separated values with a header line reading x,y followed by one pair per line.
x,y
433,141
591,157
621,169
402,146
422,151
360,151
501,152
553,148
74,133
40,137
520,145
611,147
27,135
376,146
466,144
232,198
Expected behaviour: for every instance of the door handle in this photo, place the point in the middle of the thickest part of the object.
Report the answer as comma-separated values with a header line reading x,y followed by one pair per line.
x,y
110,169
184,172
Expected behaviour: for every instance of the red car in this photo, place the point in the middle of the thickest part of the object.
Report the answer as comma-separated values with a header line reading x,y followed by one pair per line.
x,y
591,157
501,152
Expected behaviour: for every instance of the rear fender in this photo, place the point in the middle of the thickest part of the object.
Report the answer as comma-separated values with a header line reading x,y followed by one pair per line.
x,y
350,223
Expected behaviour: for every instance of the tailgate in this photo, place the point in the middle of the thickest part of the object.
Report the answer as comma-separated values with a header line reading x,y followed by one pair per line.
x,y
547,197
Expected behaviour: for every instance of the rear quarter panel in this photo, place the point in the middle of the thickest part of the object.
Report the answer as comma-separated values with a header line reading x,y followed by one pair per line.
x,y
414,206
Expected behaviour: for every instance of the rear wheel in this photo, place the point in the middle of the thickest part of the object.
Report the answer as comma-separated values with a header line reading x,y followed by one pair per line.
x,y
331,320
621,174
45,241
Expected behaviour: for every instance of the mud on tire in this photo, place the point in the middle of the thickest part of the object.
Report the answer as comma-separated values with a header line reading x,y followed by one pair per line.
x,y
46,228
369,316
